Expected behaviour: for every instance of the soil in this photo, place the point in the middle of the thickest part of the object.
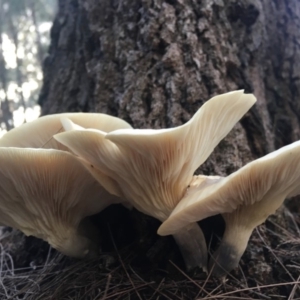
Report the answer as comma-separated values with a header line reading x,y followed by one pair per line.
x,y
135,263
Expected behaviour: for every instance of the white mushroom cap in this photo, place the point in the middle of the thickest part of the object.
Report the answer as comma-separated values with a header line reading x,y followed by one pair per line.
x,y
39,133
274,175
46,193
245,198
153,168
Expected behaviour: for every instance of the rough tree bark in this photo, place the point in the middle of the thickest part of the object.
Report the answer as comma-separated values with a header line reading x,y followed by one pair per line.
x,y
154,63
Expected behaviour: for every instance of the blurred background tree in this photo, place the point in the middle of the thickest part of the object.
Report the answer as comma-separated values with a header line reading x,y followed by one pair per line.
x,y
24,40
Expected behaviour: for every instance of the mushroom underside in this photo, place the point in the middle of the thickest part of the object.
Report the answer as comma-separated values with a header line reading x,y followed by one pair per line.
x,y
192,245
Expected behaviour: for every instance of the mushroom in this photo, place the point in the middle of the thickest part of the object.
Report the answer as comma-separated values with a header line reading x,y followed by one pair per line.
x,y
153,168
47,193
39,133
245,199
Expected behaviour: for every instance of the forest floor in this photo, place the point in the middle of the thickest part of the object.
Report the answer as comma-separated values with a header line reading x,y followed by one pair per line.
x,y
137,264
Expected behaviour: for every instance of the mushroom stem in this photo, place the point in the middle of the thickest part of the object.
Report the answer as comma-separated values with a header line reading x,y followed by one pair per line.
x,y
91,232
230,251
192,245
73,245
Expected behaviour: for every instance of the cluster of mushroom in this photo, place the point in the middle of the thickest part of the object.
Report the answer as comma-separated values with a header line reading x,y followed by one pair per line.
x,y
47,192
94,160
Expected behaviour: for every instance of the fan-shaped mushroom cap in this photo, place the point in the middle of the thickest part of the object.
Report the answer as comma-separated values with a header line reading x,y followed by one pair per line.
x,y
153,168
46,193
39,133
245,198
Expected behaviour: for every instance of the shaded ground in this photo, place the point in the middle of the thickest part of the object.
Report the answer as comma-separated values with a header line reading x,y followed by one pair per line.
x,y
137,264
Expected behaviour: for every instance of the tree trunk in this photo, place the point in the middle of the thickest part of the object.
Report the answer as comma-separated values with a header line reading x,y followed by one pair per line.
x,y
19,68
154,63
5,113
32,6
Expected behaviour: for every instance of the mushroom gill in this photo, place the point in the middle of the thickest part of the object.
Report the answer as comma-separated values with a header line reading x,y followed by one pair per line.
x,y
47,193
153,168
245,199
39,133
